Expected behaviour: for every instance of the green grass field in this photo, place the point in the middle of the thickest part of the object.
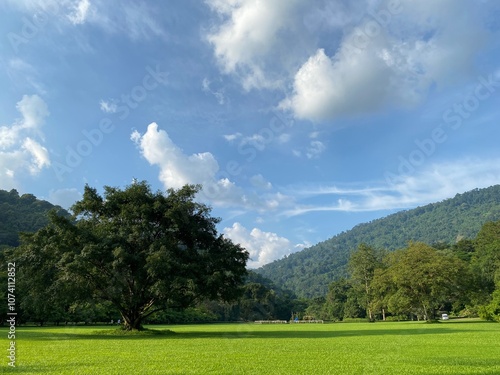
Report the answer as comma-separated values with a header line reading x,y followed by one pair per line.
x,y
465,347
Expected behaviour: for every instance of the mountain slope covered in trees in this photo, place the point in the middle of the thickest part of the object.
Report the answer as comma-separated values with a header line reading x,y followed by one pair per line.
x,y
309,272
23,213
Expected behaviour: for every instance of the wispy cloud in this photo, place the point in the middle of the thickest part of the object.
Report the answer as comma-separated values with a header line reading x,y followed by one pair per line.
x,y
25,75
80,12
108,106
64,197
438,182
315,149
232,137
136,20
218,94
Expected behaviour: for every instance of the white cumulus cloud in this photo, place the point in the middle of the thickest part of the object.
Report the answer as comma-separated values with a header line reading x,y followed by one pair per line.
x,y
336,58
21,148
263,247
389,61
178,169
39,155
252,35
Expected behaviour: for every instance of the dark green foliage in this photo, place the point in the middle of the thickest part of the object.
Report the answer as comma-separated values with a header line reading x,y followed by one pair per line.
x,y
336,299
22,214
487,251
183,316
140,251
491,311
308,272
417,281
261,300
362,265
422,279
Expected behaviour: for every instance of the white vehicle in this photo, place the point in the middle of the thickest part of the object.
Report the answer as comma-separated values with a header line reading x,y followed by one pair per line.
x,y
444,317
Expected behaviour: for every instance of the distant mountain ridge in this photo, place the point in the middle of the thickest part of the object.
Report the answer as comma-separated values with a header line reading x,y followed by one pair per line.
x,y
308,273
23,213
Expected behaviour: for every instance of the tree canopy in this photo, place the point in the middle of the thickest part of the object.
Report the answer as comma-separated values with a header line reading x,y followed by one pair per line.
x,y
424,279
141,251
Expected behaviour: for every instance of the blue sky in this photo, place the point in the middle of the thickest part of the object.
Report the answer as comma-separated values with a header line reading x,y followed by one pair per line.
x,y
301,118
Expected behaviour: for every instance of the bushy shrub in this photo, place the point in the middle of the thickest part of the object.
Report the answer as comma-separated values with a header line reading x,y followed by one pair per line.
x,y
491,311
189,315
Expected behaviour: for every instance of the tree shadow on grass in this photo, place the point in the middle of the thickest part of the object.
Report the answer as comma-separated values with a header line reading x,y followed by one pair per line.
x,y
247,331
312,334
467,321
40,334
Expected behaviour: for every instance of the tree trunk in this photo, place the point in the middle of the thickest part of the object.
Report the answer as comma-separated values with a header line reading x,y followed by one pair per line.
x,y
368,307
383,314
132,320
426,315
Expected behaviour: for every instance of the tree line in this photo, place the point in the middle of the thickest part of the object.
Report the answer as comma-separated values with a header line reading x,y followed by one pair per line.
x,y
149,257
309,272
419,281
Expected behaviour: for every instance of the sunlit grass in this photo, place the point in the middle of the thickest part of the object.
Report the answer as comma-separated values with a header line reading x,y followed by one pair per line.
x,y
343,348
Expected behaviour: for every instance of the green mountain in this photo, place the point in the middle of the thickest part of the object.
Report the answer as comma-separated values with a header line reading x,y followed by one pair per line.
x,y
308,273
22,213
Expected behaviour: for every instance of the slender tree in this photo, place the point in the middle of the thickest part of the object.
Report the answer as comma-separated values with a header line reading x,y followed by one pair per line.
x,y
362,265
336,299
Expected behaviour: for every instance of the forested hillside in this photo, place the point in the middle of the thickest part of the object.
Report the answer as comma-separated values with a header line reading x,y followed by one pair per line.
x,y
309,272
22,213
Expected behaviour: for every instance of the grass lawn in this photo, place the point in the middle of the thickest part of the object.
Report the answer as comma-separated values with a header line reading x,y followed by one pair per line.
x,y
452,347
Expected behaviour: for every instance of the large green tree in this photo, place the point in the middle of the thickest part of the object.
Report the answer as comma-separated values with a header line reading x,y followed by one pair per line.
x,y
486,259
424,279
142,251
